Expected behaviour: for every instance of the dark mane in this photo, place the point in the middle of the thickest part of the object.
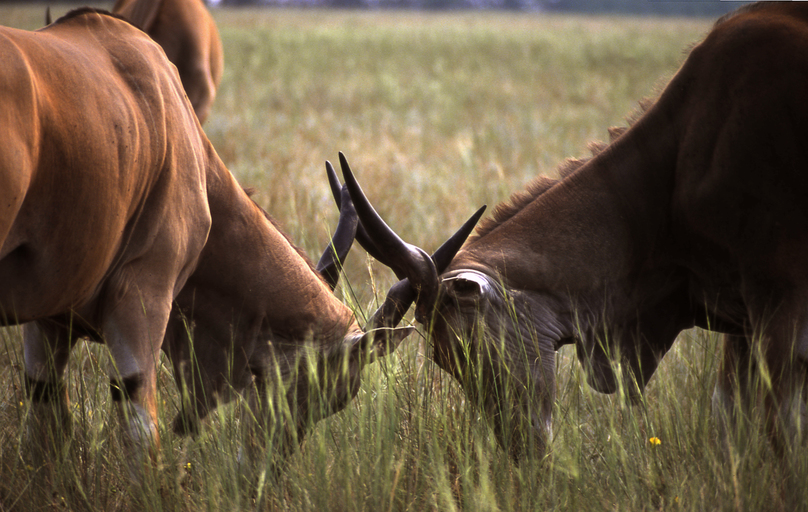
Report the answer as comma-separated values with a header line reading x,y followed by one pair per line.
x,y
88,10
541,184
740,10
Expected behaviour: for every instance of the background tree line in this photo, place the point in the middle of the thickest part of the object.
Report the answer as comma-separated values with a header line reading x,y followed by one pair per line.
x,y
707,8
635,7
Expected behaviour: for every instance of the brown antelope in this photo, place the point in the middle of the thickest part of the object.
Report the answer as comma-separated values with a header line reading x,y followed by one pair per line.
x,y
119,223
693,216
187,33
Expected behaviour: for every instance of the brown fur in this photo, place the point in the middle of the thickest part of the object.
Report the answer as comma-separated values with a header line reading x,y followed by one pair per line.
x,y
693,216
119,221
541,184
81,11
277,225
187,33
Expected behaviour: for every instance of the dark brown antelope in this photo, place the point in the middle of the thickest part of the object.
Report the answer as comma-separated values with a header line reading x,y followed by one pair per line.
x,y
693,216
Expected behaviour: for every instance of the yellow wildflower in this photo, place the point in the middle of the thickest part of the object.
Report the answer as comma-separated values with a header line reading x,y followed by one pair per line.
x,y
655,441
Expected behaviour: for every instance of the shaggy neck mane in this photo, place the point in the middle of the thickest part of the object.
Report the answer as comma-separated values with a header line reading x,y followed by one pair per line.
x,y
746,8
538,186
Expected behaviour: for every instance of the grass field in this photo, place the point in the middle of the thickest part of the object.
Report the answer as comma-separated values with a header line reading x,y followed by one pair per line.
x,y
438,113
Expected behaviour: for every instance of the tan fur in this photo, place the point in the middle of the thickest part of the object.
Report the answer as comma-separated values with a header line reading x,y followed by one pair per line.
x,y
118,221
187,33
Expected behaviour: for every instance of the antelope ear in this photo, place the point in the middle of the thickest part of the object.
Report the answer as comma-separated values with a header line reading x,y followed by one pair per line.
x,y
467,286
379,342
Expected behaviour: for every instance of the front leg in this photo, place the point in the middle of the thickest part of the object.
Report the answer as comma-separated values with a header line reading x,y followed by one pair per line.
x,y
133,329
133,384
772,367
733,394
47,350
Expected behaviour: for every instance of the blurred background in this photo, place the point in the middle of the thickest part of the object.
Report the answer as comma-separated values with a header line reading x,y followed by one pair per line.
x,y
710,8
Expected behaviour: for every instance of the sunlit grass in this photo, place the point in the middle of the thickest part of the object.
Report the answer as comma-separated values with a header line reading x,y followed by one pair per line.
x,y
438,113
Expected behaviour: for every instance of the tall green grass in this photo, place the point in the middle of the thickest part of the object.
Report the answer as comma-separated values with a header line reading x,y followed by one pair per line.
x,y
437,113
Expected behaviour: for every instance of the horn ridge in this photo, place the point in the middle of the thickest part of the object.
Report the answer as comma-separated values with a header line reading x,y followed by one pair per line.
x,y
361,234
331,262
418,273
405,259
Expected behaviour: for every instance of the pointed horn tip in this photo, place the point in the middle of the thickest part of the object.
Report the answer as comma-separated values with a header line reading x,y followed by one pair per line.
x,y
343,162
333,179
331,174
348,174
334,184
472,221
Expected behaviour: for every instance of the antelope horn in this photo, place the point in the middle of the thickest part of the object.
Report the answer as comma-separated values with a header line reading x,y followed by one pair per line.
x,y
441,257
405,259
361,235
446,252
402,295
330,264
409,260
